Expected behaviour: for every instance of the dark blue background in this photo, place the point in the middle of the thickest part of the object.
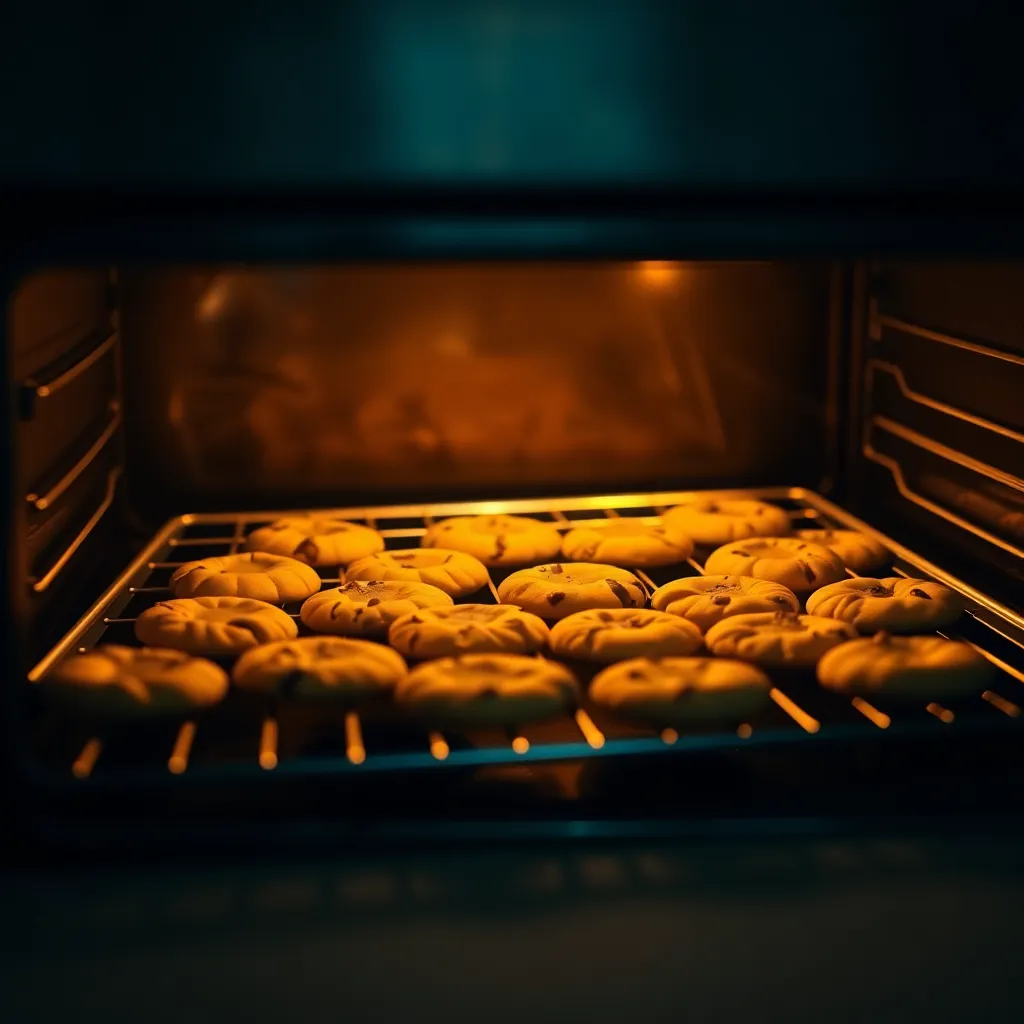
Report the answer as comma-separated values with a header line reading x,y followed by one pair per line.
x,y
851,95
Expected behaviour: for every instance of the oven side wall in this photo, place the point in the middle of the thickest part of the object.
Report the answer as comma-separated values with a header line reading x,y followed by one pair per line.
x,y
936,449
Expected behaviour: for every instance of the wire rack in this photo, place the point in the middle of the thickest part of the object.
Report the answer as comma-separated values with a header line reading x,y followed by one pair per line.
x,y
251,736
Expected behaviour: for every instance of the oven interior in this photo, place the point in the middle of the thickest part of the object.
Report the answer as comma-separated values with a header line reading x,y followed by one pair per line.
x,y
160,413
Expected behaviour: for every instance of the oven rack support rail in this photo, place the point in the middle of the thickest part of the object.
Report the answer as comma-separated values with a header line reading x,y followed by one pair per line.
x,y
798,713
876,367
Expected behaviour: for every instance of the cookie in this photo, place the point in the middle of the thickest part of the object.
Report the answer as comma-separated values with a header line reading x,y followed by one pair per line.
x,y
705,600
713,521
468,629
905,667
454,572
626,542
562,588
316,540
116,682
611,634
367,608
796,564
265,577
781,639
213,625
677,691
894,604
860,554
496,540
488,689
320,667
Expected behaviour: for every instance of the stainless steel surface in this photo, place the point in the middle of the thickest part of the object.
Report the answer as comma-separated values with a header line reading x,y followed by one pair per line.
x,y
589,733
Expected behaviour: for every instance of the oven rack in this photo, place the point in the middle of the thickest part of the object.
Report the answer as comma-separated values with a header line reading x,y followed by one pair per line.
x,y
249,737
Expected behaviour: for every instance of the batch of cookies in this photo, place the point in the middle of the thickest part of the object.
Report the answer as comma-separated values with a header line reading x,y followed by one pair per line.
x,y
571,608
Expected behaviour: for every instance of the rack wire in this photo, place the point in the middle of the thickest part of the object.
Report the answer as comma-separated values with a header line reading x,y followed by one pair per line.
x,y
251,737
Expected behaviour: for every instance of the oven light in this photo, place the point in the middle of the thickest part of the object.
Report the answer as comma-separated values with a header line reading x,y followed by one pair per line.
x,y
658,273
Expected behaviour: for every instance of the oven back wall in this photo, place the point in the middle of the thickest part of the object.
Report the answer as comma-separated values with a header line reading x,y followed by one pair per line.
x,y
284,387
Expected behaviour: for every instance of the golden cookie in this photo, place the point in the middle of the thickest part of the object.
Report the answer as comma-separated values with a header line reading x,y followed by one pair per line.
x,y
112,681
213,625
611,634
265,577
859,553
562,588
895,604
316,540
320,667
454,572
677,691
705,600
626,542
496,540
909,667
367,608
794,563
468,629
488,689
716,521
782,639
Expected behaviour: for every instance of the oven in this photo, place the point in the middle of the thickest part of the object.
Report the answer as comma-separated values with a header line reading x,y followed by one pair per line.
x,y
165,411
575,261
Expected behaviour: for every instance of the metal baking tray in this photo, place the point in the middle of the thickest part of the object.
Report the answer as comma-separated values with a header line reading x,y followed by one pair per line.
x,y
254,738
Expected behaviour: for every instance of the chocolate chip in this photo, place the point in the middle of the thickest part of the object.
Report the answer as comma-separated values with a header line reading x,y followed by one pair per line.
x,y
556,598
358,612
335,608
918,592
620,592
372,602
710,507
742,554
557,569
635,674
721,600
499,547
307,551
807,571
